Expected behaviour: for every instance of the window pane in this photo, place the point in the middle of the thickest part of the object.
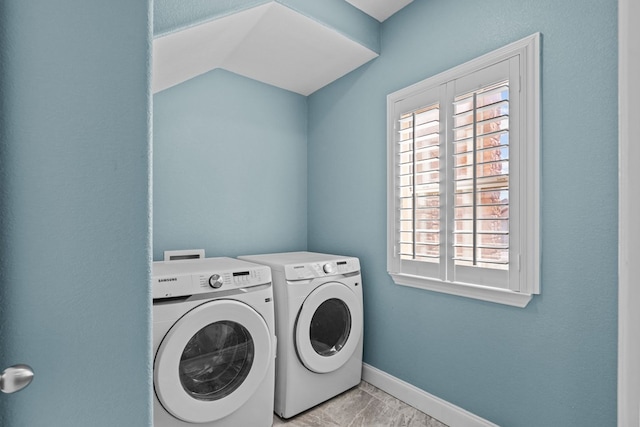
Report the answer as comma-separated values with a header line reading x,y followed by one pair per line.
x,y
407,250
425,225
492,169
483,212
406,169
463,146
428,165
428,115
464,199
406,226
493,125
428,237
496,256
493,94
493,110
431,201
428,214
406,214
428,251
427,140
463,173
406,191
492,153
492,225
406,146
406,203
463,104
498,138
500,241
427,177
463,132
406,237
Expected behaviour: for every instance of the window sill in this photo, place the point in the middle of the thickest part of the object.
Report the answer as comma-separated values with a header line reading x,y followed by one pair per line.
x,y
499,296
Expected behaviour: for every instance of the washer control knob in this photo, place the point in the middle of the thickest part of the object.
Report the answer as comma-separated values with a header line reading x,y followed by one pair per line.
x,y
328,268
215,281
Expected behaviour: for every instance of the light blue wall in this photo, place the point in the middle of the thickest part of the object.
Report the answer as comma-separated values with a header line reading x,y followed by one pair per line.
x,y
75,211
554,362
230,167
172,15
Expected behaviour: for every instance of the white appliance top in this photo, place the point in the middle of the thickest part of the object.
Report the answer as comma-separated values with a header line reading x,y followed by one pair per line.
x,y
197,276
307,265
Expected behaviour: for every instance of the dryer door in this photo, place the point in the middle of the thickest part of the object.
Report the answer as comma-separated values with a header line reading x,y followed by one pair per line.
x,y
212,361
328,328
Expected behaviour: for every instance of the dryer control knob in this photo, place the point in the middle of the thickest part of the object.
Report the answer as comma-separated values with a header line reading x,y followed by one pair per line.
x,y
328,268
215,281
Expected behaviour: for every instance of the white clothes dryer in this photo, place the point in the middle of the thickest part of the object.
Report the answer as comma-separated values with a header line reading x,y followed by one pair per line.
x,y
319,324
214,343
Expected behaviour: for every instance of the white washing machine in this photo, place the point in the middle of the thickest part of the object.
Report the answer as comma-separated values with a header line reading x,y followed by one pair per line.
x,y
214,343
319,322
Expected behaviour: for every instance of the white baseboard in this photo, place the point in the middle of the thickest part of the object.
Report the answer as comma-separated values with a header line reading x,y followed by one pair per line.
x,y
439,409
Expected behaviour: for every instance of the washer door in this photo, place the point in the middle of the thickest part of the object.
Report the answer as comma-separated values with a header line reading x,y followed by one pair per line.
x,y
328,327
212,360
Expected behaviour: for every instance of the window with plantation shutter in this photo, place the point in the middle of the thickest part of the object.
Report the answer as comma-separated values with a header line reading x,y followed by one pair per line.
x,y
463,178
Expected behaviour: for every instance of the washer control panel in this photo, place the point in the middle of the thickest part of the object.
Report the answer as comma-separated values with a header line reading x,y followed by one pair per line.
x,y
181,278
322,269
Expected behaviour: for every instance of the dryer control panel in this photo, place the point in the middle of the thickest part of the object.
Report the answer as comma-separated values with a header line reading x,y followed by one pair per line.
x,y
322,269
190,277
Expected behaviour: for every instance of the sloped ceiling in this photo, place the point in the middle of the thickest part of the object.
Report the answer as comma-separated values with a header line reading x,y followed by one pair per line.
x,y
270,43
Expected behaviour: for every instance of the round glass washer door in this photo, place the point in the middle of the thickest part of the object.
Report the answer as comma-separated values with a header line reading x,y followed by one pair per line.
x,y
212,361
328,328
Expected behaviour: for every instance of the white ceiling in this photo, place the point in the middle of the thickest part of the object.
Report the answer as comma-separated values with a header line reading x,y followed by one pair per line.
x,y
269,43
379,9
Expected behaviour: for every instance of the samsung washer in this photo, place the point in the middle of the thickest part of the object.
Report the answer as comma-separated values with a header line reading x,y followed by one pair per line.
x,y
214,343
319,325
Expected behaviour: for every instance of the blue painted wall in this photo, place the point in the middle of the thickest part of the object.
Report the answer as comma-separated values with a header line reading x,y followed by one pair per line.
x,y
172,15
230,167
554,362
75,211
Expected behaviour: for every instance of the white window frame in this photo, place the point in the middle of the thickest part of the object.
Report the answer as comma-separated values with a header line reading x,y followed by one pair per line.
x,y
524,173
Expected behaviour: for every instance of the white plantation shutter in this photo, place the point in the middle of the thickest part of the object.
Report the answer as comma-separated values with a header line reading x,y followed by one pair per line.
x,y
419,184
481,177
463,160
480,136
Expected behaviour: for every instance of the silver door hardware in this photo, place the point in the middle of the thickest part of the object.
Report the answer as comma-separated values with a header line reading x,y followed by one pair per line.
x,y
15,378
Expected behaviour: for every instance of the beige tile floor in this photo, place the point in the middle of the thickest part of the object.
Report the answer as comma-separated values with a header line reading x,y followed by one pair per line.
x,y
362,406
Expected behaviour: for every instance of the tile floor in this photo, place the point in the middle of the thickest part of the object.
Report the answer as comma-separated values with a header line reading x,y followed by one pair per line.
x,y
362,406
